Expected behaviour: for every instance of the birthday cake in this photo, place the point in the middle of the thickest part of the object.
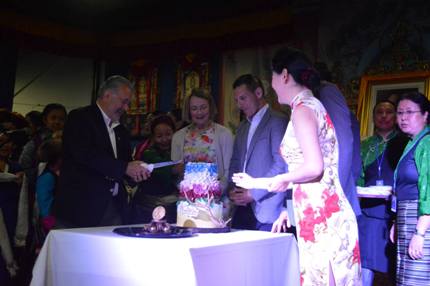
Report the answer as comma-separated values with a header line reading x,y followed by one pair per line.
x,y
200,192
374,191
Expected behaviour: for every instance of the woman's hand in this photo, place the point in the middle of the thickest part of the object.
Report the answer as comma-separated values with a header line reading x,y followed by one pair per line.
x,y
282,223
243,180
393,233
415,249
278,184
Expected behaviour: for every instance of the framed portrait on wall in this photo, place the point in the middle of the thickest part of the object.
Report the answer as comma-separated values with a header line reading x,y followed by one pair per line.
x,y
376,88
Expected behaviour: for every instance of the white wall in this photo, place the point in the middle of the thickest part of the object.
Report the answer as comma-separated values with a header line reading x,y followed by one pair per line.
x,y
64,80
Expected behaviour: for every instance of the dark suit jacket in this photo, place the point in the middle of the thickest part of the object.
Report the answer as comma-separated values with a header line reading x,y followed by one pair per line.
x,y
348,136
264,160
90,170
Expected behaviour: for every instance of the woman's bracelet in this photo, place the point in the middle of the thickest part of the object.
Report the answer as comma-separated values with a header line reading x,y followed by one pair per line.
x,y
419,233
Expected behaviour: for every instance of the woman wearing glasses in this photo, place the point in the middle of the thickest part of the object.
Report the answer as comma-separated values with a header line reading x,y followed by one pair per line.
x,y
412,193
203,140
380,154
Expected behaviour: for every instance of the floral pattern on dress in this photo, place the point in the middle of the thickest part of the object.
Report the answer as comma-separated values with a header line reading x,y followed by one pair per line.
x,y
199,145
325,222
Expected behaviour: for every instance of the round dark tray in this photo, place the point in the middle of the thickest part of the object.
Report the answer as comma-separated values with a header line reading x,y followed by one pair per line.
x,y
175,232
206,230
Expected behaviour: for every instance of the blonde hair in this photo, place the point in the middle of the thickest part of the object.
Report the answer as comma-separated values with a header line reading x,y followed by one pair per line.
x,y
200,93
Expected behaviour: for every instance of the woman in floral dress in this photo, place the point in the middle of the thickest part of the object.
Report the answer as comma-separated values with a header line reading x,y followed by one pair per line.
x,y
327,232
203,140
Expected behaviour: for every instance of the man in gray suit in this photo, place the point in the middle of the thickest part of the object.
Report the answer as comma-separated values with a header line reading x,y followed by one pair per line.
x,y
256,152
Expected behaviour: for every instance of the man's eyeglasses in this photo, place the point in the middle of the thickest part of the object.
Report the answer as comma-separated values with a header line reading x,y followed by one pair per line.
x,y
407,112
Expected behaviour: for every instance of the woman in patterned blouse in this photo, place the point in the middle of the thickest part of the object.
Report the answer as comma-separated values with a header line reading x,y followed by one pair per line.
x,y
203,140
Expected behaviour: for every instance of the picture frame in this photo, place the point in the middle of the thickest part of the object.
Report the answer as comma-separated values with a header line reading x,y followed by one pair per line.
x,y
374,88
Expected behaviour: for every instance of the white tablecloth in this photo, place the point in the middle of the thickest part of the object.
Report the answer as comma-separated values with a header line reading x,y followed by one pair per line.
x,y
97,256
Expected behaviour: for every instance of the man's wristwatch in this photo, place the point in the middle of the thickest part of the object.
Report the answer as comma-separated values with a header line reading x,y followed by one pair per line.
x,y
417,232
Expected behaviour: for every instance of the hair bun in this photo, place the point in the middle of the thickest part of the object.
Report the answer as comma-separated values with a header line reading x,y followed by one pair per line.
x,y
310,78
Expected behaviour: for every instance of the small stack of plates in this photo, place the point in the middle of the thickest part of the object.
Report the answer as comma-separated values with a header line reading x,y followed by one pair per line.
x,y
377,192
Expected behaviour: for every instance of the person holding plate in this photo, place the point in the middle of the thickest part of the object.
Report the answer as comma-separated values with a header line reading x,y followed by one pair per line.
x,y
412,193
380,154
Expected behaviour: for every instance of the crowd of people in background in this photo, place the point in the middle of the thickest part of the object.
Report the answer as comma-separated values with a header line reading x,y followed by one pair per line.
x,y
30,151
298,174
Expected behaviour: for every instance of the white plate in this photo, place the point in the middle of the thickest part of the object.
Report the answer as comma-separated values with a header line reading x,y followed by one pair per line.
x,y
7,177
377,192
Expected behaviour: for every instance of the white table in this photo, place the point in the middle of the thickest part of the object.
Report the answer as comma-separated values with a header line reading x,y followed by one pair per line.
x,y
97,256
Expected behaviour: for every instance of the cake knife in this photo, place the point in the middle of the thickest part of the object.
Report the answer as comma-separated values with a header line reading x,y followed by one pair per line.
x,y
151,167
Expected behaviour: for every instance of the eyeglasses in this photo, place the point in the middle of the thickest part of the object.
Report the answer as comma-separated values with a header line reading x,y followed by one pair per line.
x,y
201,108
407,112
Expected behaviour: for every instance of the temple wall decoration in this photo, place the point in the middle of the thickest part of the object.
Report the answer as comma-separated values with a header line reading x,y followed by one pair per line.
x,y
192,72
145,77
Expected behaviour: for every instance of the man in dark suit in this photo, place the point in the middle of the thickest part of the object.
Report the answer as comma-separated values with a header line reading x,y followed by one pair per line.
x,y
256,152
348,135
347,131
97,160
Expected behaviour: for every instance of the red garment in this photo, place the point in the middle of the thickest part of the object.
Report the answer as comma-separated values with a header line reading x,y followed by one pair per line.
x,y
140,148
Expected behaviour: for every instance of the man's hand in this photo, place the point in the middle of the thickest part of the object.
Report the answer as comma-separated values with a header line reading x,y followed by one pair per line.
x,y
240,196
178,169
137,172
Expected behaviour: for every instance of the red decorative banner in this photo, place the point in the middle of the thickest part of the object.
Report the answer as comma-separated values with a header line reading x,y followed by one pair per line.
x,y
145,76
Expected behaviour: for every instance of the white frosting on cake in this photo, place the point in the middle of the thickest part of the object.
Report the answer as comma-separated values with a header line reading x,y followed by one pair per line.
x,y
200,192
200,180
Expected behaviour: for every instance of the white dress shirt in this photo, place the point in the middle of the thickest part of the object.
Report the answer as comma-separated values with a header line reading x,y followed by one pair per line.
x,y
254,121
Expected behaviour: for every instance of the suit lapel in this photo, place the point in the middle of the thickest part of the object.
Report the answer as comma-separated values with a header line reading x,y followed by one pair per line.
x,y
100,124
257,133
244,139
121,148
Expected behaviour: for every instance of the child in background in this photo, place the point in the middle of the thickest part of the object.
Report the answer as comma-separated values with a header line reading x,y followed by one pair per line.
x,y
160,189
46,184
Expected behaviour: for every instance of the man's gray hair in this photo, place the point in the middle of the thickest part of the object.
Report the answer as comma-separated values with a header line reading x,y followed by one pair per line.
x,y
114,83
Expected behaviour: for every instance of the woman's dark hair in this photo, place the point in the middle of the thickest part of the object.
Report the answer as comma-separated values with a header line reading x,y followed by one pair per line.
x,y
395,149
420,100
162,119
298,65
50,107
